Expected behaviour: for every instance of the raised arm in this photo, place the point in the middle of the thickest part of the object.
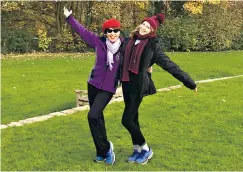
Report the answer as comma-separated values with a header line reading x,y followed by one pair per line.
x,y
89,37
164,61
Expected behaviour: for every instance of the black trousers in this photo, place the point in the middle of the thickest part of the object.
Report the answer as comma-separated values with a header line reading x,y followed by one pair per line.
x,y
130,121
98,99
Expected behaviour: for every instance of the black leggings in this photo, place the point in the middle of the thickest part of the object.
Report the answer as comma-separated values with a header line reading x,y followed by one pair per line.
x,y
98,99
132,101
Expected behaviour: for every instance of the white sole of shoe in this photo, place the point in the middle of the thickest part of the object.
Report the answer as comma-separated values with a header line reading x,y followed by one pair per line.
x,y
114,158
145,162
98,161
131,161
112,148
111,145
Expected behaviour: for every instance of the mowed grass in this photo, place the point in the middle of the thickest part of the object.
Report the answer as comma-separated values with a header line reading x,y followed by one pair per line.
x,y
39,84
186,130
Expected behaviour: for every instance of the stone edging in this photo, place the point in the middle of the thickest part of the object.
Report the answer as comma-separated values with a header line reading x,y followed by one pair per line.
x,y
86,107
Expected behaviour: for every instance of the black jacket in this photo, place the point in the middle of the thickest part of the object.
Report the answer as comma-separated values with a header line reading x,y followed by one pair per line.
x,y
153,54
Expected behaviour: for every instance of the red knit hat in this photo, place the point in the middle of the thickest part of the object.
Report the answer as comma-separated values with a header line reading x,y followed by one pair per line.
x,y
155,21
111,23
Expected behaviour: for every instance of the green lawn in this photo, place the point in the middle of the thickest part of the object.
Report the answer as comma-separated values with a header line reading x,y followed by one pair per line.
x,y
34,85
186,130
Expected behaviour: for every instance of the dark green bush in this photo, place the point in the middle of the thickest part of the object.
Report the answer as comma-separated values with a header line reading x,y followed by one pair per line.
x,y
237,44
219,27
179,33
17,41
67,43
216,29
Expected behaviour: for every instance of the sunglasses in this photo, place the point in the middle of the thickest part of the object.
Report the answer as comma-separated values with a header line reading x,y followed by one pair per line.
x,y
111,30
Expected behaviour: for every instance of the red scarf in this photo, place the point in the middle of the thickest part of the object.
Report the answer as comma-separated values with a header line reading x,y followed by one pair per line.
x,y
133,54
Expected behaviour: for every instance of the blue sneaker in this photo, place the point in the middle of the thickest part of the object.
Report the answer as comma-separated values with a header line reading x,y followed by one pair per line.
x,y
134,156
99,159
144,156
110,155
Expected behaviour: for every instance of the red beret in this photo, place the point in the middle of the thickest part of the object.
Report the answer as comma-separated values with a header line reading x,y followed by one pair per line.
x,y
111,23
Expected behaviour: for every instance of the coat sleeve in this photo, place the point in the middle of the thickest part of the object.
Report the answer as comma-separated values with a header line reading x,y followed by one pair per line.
x,y
161,59
89,37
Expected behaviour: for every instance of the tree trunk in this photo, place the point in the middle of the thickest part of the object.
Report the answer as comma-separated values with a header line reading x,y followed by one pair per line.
x,y
158,7
134,15
57,17
88,16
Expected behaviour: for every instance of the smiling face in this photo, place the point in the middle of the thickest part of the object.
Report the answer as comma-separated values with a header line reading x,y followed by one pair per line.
x,y
144,28
113,34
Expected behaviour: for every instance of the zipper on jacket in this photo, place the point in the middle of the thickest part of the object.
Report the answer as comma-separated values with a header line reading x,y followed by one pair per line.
x,y
106,68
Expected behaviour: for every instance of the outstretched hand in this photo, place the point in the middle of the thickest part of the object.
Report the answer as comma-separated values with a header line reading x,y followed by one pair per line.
x,y
67,13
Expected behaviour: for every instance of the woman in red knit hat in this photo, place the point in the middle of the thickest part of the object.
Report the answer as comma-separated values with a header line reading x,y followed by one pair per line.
x,y
103,80
141,52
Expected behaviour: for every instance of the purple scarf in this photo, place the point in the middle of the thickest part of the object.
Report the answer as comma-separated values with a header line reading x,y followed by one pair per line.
x,y
133,54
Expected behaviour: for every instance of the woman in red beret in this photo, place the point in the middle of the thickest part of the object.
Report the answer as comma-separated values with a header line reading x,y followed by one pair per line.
x,y
103,80
141,52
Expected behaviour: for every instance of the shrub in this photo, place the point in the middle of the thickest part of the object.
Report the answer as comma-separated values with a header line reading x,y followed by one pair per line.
x,y
220,26
18,41
179,33
237,44
66,42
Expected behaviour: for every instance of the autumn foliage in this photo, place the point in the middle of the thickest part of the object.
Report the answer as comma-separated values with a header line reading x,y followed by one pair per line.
x,y
210,25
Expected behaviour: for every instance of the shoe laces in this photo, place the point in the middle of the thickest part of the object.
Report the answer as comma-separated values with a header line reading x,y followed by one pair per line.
x,y
135,152
143,152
